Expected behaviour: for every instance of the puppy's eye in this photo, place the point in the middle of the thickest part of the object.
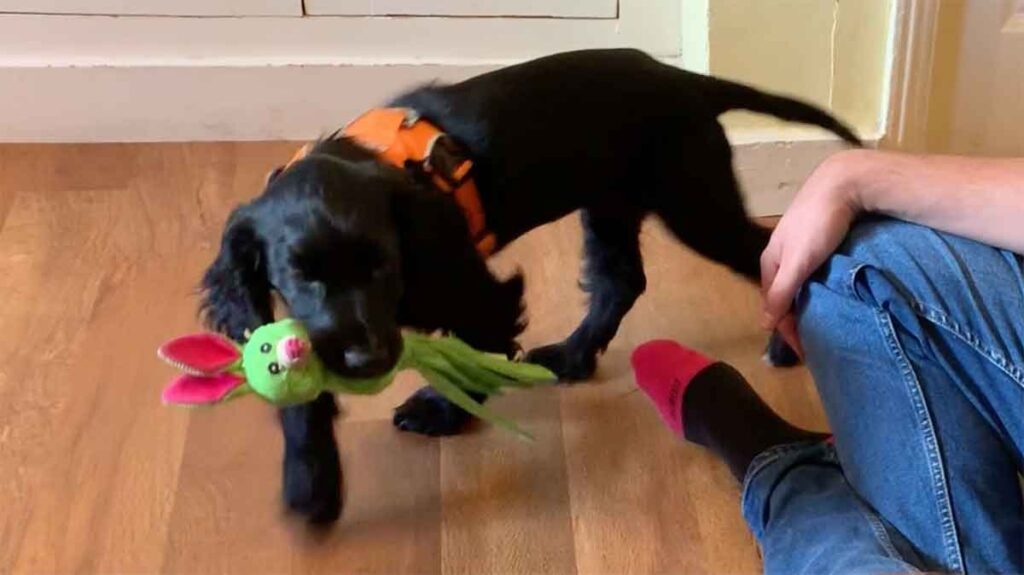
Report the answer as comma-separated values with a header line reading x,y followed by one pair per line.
x,y
265,348
274,368
345,264
382,270
273,174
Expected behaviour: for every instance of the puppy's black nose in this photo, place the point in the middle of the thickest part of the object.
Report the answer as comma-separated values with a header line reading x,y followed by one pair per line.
x,y
363,357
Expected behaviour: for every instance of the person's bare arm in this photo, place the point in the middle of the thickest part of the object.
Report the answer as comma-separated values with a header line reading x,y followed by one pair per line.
x,y
978,198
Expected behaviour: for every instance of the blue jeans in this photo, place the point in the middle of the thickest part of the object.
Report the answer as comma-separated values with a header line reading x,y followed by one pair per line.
x,y
915,339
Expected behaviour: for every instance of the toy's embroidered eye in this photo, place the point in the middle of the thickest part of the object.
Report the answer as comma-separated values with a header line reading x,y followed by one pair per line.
x,y
274,368
265,348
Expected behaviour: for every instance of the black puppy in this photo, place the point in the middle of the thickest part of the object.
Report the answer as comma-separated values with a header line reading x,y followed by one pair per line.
x,y
358,248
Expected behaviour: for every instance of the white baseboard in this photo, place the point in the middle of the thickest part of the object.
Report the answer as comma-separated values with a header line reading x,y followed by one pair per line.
x,y
196,103
771,172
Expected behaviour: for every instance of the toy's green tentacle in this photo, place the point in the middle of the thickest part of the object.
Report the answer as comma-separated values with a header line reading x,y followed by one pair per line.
x,y
493,367
488,380
495,362
465,381
426,350
469,368
522,374
453,393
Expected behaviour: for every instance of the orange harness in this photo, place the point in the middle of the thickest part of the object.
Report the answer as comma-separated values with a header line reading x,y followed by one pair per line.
x,y
403,139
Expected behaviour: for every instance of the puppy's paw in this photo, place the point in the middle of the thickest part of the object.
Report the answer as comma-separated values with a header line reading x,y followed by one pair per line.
x,y
779,353
567,363
312,483
429,413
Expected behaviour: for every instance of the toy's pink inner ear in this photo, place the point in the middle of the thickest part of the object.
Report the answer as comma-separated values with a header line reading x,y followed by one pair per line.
x,y
198,390
200,354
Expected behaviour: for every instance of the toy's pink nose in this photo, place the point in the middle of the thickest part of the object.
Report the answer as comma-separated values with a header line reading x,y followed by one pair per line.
x,y
291,350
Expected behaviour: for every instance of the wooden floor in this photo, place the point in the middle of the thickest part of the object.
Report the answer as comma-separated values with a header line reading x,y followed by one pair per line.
x,y
100,250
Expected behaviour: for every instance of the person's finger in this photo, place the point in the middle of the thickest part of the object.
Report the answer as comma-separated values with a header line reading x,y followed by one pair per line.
x,y
787,329
779,297
769,266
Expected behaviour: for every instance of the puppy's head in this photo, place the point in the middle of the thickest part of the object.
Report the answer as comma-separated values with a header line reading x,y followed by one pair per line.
x,y
357,249
323,236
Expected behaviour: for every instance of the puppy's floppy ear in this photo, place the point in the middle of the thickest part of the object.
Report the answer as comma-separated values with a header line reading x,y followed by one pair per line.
x,y
236,291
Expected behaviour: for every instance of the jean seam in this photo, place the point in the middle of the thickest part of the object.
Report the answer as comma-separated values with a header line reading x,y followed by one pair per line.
x,y
770,455
761,461
971,339
881,534
950,536
943,320
851,283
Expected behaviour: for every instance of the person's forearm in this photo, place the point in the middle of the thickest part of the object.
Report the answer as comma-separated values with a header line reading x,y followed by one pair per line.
x,y
978,198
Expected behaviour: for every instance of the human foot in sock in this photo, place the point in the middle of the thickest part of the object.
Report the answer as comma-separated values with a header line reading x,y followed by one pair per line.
x,y
711,404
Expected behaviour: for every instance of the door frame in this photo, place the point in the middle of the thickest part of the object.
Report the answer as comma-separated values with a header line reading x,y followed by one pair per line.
x,y
915,29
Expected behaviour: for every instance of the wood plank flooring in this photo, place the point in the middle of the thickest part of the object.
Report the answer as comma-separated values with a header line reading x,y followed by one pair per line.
x,y
101,247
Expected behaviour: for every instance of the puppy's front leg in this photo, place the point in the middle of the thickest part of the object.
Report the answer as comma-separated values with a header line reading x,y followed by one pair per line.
x,y
614,277
311,470
428,412
486,315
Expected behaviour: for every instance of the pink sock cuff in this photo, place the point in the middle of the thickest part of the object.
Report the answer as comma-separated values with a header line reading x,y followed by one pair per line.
x,y
663,369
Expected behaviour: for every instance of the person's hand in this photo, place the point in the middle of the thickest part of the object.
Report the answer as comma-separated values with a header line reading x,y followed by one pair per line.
x,y
809,231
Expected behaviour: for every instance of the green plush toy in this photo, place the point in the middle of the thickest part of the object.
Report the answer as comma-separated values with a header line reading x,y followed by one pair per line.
x,y
277,364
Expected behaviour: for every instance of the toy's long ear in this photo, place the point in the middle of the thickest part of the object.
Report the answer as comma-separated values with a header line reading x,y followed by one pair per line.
x,y
202,390
200,354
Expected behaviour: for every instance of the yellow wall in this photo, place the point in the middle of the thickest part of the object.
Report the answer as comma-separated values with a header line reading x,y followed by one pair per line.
x,y
830,52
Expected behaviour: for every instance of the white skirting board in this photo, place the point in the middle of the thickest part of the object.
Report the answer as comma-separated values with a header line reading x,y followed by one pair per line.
x,y
186,103
189,103
771,172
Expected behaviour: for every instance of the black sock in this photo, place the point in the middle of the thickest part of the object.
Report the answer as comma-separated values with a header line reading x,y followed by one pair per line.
x,y
723,413
712,404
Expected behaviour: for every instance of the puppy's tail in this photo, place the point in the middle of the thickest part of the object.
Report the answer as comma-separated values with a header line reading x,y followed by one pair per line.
x,y
724,96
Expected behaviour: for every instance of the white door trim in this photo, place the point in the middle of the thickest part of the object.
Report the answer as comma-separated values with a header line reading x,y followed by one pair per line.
x,y
916,25
130,41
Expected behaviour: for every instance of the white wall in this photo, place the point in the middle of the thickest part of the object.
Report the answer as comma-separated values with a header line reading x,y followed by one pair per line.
x,y
95,78
87,78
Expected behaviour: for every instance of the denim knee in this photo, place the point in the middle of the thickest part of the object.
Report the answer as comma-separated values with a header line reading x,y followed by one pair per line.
x,y
932,268
914,273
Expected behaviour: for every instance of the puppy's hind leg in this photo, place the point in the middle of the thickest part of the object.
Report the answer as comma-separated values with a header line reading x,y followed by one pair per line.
x,y
614,278
705,211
